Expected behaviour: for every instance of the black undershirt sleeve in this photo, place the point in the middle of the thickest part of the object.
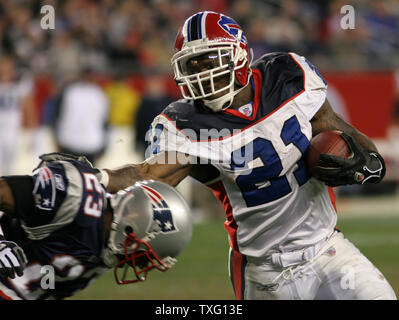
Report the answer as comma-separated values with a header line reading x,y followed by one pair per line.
x,y
21,188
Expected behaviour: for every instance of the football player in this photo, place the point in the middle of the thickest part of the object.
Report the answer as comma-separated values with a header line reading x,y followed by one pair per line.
x,y
243,129
62,231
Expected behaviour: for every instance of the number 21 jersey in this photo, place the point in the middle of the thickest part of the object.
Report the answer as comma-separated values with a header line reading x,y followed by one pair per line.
x,y
255,157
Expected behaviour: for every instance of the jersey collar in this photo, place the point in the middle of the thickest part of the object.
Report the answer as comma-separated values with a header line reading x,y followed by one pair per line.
x,y
256,82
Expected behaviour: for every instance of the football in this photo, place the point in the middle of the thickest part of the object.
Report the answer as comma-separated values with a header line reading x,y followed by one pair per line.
x,y
329,142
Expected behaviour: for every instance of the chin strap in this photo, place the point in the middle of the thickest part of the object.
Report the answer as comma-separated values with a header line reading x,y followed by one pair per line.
x,y
109,258
223,102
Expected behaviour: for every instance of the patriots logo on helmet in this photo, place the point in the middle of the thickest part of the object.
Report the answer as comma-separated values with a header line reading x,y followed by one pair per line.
x,y
231,27
44,191
163,219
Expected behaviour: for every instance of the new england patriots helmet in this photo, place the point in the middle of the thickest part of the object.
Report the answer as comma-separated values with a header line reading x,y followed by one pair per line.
x,y
151,226
221,42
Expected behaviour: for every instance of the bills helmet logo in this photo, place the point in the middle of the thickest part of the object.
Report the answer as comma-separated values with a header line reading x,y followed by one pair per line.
x,y
231,27
163,219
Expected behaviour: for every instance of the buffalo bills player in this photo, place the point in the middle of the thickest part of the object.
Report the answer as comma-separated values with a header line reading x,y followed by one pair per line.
x,y
63,230
243,129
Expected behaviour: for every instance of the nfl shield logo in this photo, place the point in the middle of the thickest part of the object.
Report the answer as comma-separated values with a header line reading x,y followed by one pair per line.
x,y
246,110
331,251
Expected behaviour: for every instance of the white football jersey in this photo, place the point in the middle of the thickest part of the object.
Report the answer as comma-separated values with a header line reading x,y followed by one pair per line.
x,y
255,159
11,98
83,115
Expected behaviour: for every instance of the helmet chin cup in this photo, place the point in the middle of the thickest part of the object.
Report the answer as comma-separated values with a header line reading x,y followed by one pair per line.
x,y
220,103
223,102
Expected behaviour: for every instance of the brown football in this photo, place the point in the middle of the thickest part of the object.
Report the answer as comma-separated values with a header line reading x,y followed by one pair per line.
x,y
329,142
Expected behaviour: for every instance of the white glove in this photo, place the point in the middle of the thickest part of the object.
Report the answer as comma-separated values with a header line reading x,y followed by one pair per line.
x,y
12,259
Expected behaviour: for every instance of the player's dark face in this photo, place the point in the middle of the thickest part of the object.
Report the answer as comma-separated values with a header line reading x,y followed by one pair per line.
x,y
207,62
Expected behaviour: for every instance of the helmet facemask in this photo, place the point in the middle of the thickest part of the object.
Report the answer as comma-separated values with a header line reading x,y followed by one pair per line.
x,y
142,259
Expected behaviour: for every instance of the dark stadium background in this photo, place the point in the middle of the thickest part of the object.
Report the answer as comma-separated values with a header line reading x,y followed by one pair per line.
x,y
127,46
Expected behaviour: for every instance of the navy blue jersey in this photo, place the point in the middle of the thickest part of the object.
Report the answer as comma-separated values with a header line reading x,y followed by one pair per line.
x,y
63,237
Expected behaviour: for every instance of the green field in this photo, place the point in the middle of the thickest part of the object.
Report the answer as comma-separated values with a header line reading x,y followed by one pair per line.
x,y
201,272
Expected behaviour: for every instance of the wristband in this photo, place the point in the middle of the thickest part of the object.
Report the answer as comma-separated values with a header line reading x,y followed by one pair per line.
x,y
376,170
104,180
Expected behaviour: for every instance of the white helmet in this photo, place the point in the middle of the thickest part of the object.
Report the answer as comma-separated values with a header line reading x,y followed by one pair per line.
x,y
151,226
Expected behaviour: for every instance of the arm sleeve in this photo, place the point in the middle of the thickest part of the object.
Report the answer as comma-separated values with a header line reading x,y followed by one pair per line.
x,y
165,136
21,188
315,93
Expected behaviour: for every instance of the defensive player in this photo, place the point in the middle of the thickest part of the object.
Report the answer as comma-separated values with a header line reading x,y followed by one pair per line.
x,y
62,231
243,129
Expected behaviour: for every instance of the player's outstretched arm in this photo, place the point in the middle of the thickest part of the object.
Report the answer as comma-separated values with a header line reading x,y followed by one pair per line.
x,y
365,164
170,169
12,258
7,203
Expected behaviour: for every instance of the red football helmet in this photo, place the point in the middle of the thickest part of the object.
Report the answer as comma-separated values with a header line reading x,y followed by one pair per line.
x,y
211,45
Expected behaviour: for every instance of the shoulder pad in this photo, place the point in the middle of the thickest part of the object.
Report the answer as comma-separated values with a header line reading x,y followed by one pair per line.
x,y
273,58
181,110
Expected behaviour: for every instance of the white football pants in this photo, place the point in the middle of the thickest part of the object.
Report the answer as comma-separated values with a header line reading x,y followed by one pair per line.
x,y
337,272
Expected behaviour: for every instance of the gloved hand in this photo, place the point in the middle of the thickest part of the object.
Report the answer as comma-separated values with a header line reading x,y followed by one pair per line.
x,y
101,175
12,259
59,156
362,166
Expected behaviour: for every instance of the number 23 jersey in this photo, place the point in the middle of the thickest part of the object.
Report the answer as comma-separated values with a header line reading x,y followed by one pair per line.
x,y
62,237
254,157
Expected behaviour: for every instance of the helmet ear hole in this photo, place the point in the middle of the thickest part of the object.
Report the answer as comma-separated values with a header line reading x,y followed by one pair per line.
x,y
128,229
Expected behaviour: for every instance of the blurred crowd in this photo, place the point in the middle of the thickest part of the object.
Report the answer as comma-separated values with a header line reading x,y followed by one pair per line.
x,y
114,35
119,38
124,47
